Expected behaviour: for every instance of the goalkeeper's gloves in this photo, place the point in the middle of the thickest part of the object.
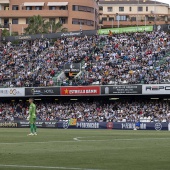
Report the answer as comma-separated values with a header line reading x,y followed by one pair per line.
x,y
28,117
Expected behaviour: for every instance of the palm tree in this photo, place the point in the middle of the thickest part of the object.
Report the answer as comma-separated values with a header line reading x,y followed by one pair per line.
x,y
5,33
56,27
36,25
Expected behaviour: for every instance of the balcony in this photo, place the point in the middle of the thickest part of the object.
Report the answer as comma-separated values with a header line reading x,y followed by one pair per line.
x,y
4,1
29,13
4,26
109,24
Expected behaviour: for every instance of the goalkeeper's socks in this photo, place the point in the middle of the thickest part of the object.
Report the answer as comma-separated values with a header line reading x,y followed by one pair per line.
x,y
35,128
32,128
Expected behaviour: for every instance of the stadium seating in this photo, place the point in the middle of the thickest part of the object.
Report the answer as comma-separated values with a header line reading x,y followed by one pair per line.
x,y
134,58
98,111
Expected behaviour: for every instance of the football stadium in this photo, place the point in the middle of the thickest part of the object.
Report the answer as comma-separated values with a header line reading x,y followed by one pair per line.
x,y
85,99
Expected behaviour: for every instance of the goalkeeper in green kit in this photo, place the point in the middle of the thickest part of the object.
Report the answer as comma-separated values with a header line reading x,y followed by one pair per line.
x,y
32,117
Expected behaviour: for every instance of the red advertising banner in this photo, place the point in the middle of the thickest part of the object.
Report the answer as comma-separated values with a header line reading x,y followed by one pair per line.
x,y
80,90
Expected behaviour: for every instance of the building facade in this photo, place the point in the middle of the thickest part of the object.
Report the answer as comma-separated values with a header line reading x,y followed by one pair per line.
x,y
119,13
74,14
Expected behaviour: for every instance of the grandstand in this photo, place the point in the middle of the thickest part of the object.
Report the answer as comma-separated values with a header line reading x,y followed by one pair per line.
x,y
116,59
131,58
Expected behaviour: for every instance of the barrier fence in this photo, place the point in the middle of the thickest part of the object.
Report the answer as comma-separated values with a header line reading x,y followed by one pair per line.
x,y
146,89
74,124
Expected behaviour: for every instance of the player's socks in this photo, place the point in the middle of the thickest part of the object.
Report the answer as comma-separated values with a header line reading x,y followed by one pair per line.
x,y
31,128
35,128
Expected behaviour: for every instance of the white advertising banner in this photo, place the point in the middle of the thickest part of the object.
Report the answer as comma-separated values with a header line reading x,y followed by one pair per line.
x,y
12,92
156,89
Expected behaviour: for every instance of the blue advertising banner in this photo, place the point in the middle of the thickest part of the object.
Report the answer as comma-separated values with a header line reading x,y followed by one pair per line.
x,y
73,124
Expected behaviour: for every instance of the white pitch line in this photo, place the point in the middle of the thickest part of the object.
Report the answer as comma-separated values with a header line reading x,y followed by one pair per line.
x,y
44,167
16,143
79,139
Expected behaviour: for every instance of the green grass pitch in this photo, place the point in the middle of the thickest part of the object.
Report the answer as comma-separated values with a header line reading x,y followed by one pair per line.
x,y
84,149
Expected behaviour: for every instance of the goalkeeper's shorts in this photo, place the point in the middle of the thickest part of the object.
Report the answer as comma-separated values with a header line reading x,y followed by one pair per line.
x,y
32,120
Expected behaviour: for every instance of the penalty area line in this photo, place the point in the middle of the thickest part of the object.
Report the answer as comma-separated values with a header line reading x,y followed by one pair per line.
x,y
17,143
44,167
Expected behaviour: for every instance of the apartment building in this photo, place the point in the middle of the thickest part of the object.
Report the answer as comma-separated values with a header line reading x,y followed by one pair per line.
x,y
119,13
74,14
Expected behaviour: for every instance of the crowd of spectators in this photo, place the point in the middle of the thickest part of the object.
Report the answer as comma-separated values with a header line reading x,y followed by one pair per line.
x,y
112,59
35,63
117,111
139,58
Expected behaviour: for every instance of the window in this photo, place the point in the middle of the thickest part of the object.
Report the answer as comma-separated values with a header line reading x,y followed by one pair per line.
x,y
151,18
130,8
52,8
111,19
146,8
75,21
82,22
28,7
27,20
82,8
109,9
100,8
121,9
63,8
133,19
121,18
140,9
75,7
6,8
63,20
15,7
104,19
15,21
38,8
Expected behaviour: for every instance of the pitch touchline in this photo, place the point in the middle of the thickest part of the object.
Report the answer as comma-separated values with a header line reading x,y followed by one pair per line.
x,y
79,139
44,167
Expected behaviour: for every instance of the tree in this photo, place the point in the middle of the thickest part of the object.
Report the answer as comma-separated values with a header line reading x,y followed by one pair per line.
x,y
5,33
36,25
56,27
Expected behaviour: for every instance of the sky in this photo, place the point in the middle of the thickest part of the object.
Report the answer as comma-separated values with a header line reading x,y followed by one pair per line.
x,y
165,1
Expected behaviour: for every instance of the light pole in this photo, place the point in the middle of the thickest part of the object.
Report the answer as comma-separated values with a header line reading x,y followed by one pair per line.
x,y
112,23
137,15
155,14
10,29
117,20
81,31
51,28
80,26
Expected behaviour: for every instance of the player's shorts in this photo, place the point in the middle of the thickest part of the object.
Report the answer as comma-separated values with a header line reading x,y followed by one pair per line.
x,y
32,120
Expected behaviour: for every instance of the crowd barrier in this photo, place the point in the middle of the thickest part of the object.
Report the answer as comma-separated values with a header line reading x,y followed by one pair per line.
x,y
145,89
74,124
